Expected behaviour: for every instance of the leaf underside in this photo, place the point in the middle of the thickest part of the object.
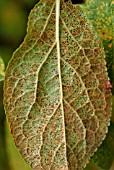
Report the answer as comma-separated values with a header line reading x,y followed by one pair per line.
x,y
55,89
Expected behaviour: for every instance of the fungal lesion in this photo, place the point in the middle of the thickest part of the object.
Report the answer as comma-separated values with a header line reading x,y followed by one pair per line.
x,y
108,87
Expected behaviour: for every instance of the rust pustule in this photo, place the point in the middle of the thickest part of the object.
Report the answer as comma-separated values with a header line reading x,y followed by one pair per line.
x,y
108,87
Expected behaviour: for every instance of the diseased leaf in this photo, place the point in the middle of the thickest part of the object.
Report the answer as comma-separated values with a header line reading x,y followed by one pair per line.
x,y
56,96
2,70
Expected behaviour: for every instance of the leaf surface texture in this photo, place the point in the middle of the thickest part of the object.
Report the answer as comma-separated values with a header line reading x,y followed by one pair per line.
x,y
55,89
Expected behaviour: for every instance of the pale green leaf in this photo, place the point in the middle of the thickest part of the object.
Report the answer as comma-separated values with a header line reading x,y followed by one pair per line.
x,y
56,93
2,70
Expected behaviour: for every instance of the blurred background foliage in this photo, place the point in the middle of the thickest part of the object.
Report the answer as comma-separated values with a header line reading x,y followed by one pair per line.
x,y
2,69
13,23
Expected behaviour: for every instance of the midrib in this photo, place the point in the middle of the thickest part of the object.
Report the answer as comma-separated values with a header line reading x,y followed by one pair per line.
x,y
59,65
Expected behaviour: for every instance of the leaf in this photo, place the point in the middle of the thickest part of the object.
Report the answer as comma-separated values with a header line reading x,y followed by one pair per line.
x,y
55,91
100,14
105,154
2,70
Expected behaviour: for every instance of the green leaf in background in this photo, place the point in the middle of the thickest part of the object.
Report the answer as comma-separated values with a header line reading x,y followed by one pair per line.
x,y
2,70
55,90
100,14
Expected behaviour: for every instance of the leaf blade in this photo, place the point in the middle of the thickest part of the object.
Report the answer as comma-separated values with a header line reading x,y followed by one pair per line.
x,y
51,72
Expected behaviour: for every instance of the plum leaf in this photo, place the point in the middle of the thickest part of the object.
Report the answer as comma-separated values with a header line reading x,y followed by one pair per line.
x,y
56,96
